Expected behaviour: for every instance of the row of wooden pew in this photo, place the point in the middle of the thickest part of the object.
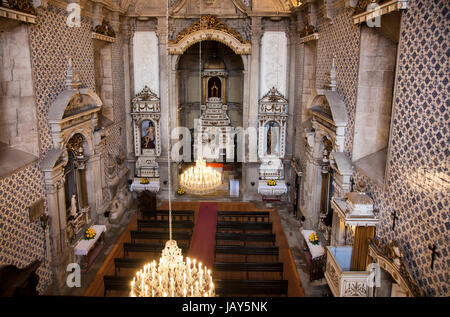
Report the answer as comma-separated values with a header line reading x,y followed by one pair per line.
x,y
244,243
146,245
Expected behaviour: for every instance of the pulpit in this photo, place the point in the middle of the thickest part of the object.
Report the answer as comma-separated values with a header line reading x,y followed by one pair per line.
x,y
347,272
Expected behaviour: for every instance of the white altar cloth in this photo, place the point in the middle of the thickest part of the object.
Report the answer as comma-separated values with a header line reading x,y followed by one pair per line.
x,y
152,186
316,250
279,189
83,246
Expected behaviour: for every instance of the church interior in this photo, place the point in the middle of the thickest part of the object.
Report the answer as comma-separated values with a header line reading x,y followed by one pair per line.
x,y
190,148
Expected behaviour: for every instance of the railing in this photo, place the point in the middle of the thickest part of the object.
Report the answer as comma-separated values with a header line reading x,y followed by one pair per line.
x,y
342,281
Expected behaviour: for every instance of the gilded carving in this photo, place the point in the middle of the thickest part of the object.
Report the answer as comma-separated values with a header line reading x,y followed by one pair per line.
x,y
19,5
394,255
308,30
209,22
355,289
105,29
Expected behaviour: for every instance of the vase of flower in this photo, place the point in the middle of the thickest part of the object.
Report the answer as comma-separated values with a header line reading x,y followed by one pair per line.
x,y
89,234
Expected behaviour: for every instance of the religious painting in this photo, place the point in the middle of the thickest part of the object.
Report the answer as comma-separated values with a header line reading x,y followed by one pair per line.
x,y
272,133
148,135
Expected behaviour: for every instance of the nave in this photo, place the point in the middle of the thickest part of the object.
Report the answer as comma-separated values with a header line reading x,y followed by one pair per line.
x,y
249,255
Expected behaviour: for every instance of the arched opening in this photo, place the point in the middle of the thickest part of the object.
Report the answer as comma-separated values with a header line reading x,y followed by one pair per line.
x,y
214,88
210,81
75,186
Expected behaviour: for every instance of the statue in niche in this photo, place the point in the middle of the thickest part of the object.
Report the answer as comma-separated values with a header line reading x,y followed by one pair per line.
x,y
73,206
148,135
272,137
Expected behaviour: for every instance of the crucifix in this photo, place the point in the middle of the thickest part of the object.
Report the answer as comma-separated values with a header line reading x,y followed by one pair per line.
x,y
433,254
394,217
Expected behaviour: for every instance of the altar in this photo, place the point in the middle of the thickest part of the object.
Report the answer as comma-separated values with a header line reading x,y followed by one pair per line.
x,y
138,186
315,256
87,250
278,189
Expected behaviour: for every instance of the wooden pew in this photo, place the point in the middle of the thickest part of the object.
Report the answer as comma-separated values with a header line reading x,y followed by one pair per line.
x,y
147,247
251,287
147,203
246,237
249,216
246,250
127,263
176,215
248,267
152,235
176,224
243,226
116,283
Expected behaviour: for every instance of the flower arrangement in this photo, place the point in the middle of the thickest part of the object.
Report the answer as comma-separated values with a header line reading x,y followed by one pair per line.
x,y
89,234
145,180
180,191
271,182
313,239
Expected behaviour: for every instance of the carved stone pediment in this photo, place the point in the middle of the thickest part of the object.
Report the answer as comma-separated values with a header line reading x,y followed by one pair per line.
x,y
273,102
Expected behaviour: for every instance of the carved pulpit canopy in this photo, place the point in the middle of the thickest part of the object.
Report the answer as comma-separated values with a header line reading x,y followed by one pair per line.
x,y
329,113
390,258
341,163
209,28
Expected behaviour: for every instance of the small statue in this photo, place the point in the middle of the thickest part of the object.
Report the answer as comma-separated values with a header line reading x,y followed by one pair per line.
x,y
73,207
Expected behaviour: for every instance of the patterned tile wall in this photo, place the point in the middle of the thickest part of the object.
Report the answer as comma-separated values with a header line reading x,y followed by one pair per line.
x,y
51,41
420,139
22,242
419,132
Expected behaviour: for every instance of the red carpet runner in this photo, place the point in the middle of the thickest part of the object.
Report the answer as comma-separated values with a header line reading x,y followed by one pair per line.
x,y
204,237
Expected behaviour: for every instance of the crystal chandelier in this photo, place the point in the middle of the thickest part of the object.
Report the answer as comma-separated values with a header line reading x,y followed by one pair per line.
x,y
200,179
173,277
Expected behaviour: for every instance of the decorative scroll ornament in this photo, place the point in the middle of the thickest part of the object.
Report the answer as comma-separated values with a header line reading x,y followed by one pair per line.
x,y
105,29
361,6
273,95
392,252
19,5
146,94
308,30
209,22
75,145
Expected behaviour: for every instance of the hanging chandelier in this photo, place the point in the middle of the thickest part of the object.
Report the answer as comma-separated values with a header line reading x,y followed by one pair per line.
x,y
200,179
173,277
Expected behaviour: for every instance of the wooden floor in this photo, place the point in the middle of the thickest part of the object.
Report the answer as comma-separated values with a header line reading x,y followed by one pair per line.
x,y
290,272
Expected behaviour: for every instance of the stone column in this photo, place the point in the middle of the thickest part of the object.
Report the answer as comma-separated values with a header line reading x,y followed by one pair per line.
x,y
252,109
164,93
97,11
127,48
250,115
